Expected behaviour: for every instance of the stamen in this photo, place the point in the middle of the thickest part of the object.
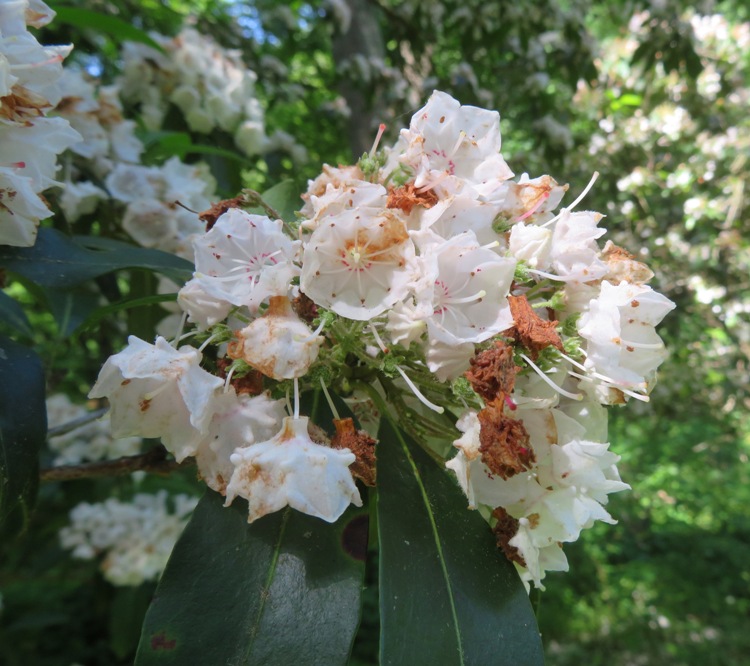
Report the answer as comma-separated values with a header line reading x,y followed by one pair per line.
x,y
591,374
228,380
334,411
315,333
610,384
641,345
378,339
381,129
418,394
150,396
567,209
296,398
208,342
466,299
534,208
560,390
491,245
179,335
461,137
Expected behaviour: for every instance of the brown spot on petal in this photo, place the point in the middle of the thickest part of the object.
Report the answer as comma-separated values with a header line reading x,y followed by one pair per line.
x,y
504,443
493,372
144,404
529,329
505,529
361,445
355,536
406,197
125,382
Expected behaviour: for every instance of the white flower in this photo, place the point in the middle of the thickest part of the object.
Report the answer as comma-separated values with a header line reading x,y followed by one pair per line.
x,y
622,345
292,470
449,145
574,254
21,208
244,259
358,263
468,286
36,147
238,421
136,537
158,391
278,344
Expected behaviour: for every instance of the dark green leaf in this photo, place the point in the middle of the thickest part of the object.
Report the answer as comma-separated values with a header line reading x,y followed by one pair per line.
x,y
280,591
164,144
60,262
447,597
12,314
109,25
23,429
104,312
70,307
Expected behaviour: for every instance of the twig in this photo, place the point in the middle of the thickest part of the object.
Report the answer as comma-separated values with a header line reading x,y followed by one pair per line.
x,y
65,428
154,462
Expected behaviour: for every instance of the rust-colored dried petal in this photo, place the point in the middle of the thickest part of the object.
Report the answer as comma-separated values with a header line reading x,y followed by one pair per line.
x,y
249,384
407,196
505,529
504,443
361,445
529,329
493,373
305,308
219,208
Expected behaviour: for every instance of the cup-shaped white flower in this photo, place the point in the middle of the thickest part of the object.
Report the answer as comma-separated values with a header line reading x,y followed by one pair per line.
x,y
292,470
245,259
239,421
623,349
359,263
449,145
158,391
468,286
574,253
278,344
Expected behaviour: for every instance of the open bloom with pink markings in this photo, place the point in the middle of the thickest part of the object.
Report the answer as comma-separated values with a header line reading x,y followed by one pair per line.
x,y
426,276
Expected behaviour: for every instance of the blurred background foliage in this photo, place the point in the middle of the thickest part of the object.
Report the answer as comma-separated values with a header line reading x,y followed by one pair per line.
x,y
654,97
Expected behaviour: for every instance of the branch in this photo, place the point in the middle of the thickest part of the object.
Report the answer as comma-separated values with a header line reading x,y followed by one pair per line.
x,y
65,428
153,461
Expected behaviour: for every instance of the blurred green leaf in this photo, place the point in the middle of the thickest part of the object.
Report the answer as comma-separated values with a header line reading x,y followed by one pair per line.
x,y
284,198
446,594
165,144
12,314
108,25
58,261
23,429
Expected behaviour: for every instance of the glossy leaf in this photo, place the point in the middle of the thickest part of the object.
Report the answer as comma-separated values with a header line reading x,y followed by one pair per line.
x,y
446,594
60,262
71,307
23,428
284,590
12,314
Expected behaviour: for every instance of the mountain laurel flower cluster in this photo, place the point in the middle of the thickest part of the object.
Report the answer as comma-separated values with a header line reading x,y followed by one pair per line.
x,y
134,539
429,280
209,84
30,139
